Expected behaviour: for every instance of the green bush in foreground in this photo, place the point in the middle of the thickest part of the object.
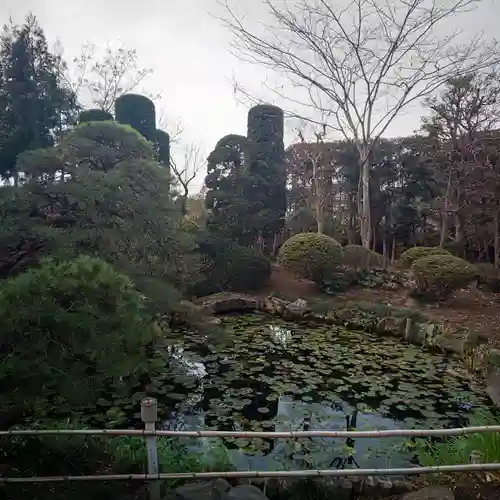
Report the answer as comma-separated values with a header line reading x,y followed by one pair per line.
x,y
408,257
70,332
437,276
311,256
359,257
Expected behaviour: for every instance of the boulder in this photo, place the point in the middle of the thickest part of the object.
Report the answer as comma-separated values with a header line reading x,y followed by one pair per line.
x,y
199,491
245,492
430,493
493,386
392,326
297,309
274,305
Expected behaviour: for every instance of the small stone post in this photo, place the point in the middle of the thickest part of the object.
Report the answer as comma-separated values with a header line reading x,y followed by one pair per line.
x,y
408,329
149,415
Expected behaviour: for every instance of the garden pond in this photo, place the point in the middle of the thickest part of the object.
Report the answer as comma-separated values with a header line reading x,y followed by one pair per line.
x,y
273,375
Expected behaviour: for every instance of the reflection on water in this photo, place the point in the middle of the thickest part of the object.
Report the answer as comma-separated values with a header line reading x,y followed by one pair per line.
x,y
186,361
281,334
285,377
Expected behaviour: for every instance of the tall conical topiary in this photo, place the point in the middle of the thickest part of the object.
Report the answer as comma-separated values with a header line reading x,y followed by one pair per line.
x,y
139,112
162,146
266,164
94,115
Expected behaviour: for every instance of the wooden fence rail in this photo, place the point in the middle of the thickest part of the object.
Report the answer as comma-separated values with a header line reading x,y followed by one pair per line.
x,y
149,416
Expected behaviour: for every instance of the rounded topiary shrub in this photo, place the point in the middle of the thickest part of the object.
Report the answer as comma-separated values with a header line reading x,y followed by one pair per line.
x,y
228,266
359,257
437,276
311,255
408,257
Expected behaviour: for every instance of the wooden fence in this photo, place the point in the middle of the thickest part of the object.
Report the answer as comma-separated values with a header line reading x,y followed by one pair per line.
x,y
149,416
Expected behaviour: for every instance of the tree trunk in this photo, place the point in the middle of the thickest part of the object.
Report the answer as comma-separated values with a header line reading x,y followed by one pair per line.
x,y
446,209
351,220
317,200
365,214
459,229
393,251
384,250
497,240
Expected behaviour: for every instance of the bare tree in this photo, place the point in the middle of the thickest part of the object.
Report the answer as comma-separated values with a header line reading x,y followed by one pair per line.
x,y
311,163
356,66
187,169
104,75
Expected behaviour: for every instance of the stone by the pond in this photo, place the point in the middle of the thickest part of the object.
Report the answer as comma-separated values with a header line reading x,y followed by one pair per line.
x,y
245,492
430,493
221,485
297,308
493,386
344,491
198,491
401,486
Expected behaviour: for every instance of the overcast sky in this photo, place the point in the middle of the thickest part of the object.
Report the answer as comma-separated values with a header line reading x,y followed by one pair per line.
x,y
188,51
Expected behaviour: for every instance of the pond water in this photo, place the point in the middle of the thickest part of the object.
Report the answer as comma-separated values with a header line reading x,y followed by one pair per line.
x,y
273,375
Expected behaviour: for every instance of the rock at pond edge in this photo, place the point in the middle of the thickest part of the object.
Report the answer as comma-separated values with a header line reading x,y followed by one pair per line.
x,y
430,493
245,492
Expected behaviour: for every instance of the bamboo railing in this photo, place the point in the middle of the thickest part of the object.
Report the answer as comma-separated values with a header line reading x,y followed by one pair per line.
x,y
149,416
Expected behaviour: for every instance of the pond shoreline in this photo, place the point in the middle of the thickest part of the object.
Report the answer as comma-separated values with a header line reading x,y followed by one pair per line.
x,y
426,334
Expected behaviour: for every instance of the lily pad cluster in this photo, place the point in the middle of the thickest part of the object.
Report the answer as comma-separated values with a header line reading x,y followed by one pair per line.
x,y
275,375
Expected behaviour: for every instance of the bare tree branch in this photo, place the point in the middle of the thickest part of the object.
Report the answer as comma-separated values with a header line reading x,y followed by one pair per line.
x,y
192,162
357,66
101,76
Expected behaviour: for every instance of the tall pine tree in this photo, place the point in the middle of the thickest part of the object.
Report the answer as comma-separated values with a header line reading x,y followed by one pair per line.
x,y
35,106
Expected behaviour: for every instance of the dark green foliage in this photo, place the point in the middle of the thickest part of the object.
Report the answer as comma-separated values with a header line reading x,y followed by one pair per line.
x,y
124,215
311,255
408,257
437,276
76,322
488,276
227,266
359,257
345,278
139,112
102,145
34,104
162,146
94,115
227,182
266,167
457,450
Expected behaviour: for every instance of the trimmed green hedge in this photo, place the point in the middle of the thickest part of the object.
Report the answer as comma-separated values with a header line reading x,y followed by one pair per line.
x,y
359,257
437,276
408,257
311,255
228,266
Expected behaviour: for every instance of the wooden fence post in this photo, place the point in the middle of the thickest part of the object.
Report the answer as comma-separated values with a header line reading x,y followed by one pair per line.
x,y
149,415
